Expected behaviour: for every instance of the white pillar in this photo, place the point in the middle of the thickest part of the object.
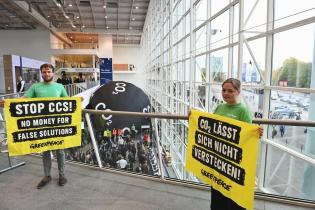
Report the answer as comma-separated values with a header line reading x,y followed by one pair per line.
x,y
105,52
309,173
105,46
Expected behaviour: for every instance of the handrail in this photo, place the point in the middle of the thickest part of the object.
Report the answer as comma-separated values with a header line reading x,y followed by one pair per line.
x,y
280,199
72,89
3,96
262,196
4,142
258,121
308,123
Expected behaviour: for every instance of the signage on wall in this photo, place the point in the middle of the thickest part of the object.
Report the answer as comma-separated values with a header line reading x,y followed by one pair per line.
x,y
106,70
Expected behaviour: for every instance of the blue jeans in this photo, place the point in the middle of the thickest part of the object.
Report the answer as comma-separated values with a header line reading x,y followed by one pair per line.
x,y
60,161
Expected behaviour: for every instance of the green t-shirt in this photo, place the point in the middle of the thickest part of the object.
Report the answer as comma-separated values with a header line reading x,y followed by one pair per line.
x,y
44,90
237,112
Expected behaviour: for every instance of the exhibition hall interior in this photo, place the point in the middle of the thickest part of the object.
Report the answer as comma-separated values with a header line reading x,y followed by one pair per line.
x,y
141,71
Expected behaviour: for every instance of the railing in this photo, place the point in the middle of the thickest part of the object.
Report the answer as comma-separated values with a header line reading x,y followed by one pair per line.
x,y
2,122
74,89
11,95
74,46
91,84
264,185
92,146
4,149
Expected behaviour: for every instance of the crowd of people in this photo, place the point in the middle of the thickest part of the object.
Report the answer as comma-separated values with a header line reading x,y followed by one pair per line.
x,y
67,80
126,150
64,80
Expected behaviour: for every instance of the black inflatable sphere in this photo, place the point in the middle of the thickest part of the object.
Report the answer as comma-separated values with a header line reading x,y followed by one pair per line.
x,y
119,96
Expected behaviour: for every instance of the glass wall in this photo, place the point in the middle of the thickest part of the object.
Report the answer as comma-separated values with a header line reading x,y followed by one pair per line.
x,y
194,45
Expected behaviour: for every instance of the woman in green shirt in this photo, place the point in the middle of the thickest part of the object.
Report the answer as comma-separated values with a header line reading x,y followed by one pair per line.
x,y
233,108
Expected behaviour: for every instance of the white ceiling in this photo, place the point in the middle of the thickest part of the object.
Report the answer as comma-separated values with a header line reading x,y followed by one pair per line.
x,y
123,19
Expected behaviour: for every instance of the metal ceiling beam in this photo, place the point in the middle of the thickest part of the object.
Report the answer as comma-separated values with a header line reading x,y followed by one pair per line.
x,y
8,8
105,12
104,31
24,6
123,19
130,13
92,14
118,14
81,19
64,13
111,12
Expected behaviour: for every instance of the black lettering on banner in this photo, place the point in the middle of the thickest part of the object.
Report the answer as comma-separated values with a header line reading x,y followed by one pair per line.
x,y
224,149
224,167
36,108
39,134
219,129
49,121
45,144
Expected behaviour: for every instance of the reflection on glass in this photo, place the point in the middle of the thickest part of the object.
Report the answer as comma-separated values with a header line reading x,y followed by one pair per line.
x,y
201,37
219,65
187,47
289,105
201,12
235,62
220,31
236,23
187,24
292,65
250,71
180,50
254,100
287,12
187,5
187,71
285,105
217,5
283,174
200,79
30,76
215,96
200,73
257,20
200,96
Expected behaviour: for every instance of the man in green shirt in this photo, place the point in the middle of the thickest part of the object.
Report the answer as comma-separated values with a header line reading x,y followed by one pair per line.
x,y
49,88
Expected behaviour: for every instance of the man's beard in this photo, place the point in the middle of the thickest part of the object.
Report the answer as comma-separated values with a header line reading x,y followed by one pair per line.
x,y
48,80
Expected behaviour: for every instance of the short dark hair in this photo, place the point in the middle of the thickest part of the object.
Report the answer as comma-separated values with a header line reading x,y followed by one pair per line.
x,y
235,83
47,65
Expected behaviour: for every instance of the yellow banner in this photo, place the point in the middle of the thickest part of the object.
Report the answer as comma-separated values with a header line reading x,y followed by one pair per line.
x,y
41,124
222,152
